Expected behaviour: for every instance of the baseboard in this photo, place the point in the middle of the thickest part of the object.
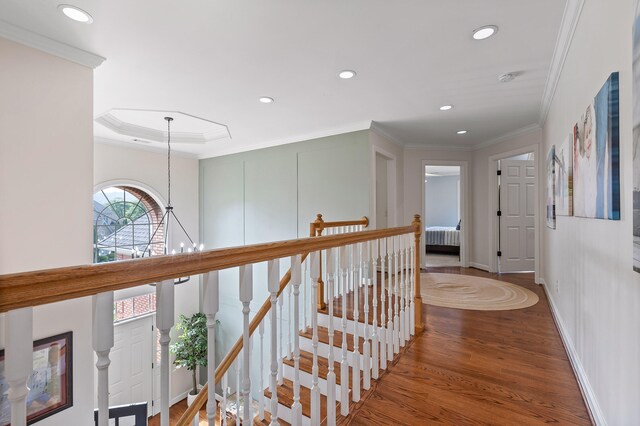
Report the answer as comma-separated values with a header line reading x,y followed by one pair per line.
x,y
597,416
479,266
179,397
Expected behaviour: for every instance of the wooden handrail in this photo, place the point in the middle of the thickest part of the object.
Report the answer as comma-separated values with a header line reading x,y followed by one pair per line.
x,y
226,362
55,285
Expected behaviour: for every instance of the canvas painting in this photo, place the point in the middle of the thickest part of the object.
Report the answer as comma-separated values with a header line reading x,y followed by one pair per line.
x,y
551,184
596,156
636,140
564,177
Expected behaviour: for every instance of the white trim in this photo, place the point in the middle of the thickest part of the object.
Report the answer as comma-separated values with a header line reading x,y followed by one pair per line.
x,y
493,202
465,242
572,11
440,147
479,266
142,146
375,127
46,44
392,193
588,394
233,149
508,136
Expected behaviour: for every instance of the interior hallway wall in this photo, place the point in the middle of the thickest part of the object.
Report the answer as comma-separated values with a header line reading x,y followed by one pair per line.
x,y
46,179
587,263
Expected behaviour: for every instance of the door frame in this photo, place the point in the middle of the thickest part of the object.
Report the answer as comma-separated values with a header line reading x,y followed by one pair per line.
x,y
464,207
392,200
493,205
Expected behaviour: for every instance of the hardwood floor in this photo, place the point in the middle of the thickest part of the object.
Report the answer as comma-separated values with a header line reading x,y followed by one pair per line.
x,y
479,367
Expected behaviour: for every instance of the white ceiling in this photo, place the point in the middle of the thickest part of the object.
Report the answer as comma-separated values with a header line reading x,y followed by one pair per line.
x,y
214,59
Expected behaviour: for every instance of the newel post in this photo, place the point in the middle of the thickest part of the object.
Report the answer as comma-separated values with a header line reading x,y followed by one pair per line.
x,y
210,308
165,294
417,225
102,343
316,231
19,361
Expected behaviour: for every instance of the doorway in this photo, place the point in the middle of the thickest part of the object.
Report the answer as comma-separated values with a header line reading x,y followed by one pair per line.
x,y
517,213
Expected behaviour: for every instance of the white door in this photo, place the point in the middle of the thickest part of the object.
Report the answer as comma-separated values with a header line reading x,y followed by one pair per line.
x,y
130,372
517,222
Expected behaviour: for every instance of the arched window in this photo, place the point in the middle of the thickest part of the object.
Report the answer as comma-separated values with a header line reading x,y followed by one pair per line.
x,y
125,224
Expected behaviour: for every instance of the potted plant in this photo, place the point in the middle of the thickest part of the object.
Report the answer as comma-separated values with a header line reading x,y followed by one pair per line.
x,y
191,348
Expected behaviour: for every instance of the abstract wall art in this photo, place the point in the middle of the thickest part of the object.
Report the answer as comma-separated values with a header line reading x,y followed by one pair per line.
x,y
596,156
564,177
551,184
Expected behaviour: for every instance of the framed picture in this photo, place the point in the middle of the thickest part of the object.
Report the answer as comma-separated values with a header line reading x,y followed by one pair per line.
x,y
551,188
50,383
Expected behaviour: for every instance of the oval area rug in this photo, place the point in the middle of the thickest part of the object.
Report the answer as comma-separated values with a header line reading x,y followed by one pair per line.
x,y
473,293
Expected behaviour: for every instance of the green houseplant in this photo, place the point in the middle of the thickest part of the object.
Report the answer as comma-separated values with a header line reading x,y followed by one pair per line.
x,y
191,348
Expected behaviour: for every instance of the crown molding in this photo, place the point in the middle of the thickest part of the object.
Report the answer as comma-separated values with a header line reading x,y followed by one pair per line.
x,y
439,147
141,146
375,127
520,132
570,18
48,45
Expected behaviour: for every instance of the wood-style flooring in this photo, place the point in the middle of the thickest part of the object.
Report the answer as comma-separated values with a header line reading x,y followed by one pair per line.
x,y
479,367
468,368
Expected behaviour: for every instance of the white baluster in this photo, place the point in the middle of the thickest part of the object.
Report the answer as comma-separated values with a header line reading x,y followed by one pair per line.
x,y
383,298
290,323
296,278
238,387
390,280
210,305
402,276
19,362
396,298
356,260
225,392
407,285
412,316
280,340
261,393
331,375
273,268
102,344
366,348
314,269
246,295
164,321
375,372
344,363
305,298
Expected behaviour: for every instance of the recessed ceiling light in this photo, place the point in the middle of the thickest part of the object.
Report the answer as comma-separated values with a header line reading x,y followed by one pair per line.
x,y
485,32
446,107
75,13
266,100
347,74
462,132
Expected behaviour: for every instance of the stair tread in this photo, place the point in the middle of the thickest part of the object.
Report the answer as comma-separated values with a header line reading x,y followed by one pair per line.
x,y
323,337
285,397
306,365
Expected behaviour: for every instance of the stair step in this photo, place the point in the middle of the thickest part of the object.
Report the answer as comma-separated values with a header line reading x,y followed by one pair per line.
x,y
285,397
306,365
323,337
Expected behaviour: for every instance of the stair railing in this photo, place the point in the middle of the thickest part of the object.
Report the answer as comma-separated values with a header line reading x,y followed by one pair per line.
x,y
20,292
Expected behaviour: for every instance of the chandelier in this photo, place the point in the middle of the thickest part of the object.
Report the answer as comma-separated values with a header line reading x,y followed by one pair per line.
x,y
169,217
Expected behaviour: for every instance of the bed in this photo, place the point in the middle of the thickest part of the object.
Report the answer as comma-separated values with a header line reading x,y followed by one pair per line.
x,y
443,239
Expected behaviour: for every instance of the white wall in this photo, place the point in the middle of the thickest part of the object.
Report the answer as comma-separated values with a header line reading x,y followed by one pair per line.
x,y
148,170
587,263
441,200
46,146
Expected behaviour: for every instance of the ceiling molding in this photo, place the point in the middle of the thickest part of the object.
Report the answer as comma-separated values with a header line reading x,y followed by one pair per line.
x,y
520,132
45,44
375,127
229,149
440,147
570,19
142,146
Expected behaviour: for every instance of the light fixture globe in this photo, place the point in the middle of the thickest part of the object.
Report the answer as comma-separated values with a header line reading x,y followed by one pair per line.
x,y
75,13
347,74
461,132
266,100
446,107
485,32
